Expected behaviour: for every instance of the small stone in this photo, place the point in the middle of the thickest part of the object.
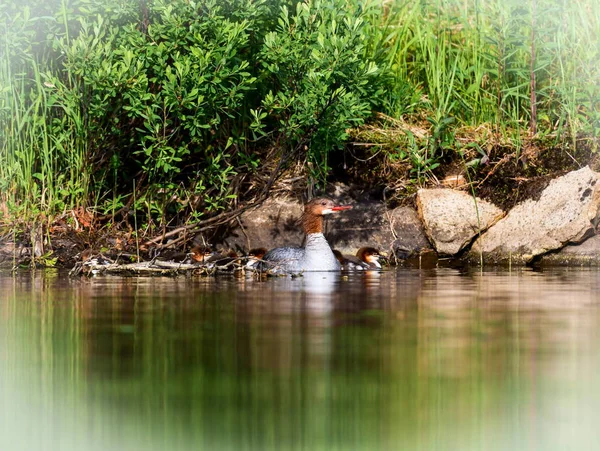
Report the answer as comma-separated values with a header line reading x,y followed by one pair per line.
x,y
454,181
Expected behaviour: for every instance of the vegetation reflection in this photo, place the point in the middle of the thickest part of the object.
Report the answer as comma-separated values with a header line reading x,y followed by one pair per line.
x,y
437,361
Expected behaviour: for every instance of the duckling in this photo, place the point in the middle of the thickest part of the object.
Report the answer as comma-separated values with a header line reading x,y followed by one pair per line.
x,y
201,254
254,257
224,262
370,256
350,262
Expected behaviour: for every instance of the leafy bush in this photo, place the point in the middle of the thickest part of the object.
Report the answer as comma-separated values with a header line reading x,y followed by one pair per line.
x,y
187,102
173,95
321,80
162,101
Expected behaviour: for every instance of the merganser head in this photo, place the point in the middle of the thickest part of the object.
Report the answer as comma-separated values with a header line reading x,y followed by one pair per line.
x,y
257,252
201,253
322,206
254,256
314,211
370,255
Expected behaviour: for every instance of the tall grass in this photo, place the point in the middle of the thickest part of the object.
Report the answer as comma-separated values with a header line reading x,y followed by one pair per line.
x,y
472,60
43,145
523,70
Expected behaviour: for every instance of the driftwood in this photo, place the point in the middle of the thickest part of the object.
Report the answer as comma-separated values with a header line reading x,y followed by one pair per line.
x,y
157,268
101,265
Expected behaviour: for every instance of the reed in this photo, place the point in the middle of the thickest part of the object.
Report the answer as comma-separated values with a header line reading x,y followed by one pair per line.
x,y
524,68
43,142
473,59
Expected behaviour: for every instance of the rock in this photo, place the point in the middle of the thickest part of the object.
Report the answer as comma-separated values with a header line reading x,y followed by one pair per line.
x,y
13,254
584,254
8,254
566,212
397,232
276,223
365,225
453,218
455,181
409,232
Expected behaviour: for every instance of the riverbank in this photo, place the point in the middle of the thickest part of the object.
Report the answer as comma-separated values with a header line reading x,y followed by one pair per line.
x,y
132,128
439,225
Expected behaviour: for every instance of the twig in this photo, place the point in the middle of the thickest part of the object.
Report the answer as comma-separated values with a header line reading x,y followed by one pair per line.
x,y
201,226
239,221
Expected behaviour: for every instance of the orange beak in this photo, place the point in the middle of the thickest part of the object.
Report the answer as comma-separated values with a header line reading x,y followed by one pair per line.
x,y
341,208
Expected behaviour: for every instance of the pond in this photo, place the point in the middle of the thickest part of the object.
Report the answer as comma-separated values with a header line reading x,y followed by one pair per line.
x,y
406,359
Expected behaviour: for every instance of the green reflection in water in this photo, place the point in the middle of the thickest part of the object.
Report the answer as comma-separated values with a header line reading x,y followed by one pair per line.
x,y
438,360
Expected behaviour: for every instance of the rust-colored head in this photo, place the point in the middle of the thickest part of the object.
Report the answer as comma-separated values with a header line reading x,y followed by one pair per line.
x,y
312,218
86,255
257,252
200,253
254,257
369,255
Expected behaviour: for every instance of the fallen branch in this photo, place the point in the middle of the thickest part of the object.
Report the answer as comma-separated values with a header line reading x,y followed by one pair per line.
x,y
201,226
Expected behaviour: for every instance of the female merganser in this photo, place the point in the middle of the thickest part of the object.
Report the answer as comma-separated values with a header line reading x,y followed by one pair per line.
x,y
370,256
316,254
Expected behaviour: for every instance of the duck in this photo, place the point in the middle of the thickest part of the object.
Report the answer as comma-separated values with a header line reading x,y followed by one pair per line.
x,y
226,261
316,255
365,258
350,262
201,254
254,257
370,256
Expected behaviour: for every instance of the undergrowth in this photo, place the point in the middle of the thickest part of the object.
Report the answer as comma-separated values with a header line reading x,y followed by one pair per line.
x,y
154,115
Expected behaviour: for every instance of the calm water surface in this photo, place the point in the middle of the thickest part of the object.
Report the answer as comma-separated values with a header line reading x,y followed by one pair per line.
x,y
404,360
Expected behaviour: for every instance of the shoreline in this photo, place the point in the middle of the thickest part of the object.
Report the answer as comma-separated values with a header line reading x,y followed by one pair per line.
x,y
448,227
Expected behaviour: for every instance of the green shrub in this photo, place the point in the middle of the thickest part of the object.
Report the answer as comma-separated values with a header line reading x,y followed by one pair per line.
x,y
321,80
162,101
187,100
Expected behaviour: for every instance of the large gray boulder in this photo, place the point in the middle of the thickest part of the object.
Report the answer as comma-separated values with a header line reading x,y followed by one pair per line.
x,y
566,212
276,223
453,218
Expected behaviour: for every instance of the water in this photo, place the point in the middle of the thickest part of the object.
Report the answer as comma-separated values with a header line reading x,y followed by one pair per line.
x,y
404,360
